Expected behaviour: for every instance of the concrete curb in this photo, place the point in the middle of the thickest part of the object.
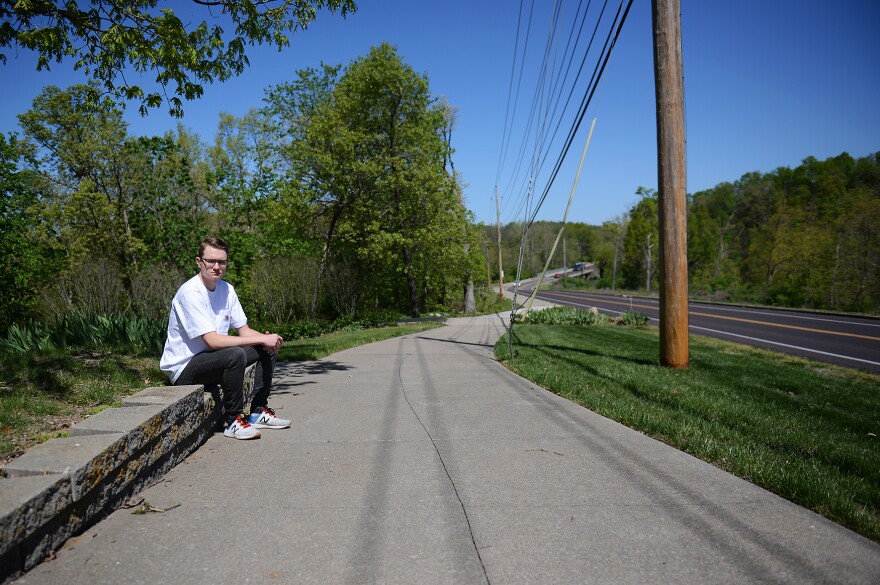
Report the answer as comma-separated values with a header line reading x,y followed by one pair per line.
x,y
63,486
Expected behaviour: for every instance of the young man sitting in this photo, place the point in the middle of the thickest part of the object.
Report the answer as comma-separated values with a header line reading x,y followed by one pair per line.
x,y
199,350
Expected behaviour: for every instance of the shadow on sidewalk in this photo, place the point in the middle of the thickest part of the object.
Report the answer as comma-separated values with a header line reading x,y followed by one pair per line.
x,y
291,371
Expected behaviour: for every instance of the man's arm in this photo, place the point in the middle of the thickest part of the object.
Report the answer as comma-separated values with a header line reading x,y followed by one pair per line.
x,y
274,339
246,336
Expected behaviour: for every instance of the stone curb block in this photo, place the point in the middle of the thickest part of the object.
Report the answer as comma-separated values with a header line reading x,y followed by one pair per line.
x,y
61,487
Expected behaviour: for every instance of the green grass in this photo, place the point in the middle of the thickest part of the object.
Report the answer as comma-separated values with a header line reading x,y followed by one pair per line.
x,y
42,393
317,347
804,430
488,303
571,282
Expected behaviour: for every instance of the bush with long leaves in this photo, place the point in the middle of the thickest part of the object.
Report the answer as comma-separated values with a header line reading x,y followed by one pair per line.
x,y
633,319
120,331
564,316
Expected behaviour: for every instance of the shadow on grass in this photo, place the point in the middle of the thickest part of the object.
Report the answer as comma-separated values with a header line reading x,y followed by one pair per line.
x,y
44,372
579,348
777,408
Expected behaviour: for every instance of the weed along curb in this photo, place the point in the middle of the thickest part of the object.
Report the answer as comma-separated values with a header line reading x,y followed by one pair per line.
x,y
63,486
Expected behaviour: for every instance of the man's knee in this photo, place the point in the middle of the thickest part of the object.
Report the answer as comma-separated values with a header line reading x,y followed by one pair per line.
x,y
235,356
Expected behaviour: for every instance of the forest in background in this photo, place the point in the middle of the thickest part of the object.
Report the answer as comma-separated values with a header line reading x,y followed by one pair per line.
x,y
804,237
338,196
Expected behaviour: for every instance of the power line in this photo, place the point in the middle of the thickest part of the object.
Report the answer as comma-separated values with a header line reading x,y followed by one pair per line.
x,y
558,78
597,75
505,138
551,86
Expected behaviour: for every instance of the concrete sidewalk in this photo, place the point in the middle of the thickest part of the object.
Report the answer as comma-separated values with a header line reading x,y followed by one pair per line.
x,y
422,460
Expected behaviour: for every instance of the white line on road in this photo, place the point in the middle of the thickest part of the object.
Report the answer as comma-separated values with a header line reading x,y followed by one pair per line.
x,y
792,315
807,349
779,313
837,355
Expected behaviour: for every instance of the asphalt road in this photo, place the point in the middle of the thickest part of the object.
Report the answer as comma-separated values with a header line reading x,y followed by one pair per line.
x,y
848,341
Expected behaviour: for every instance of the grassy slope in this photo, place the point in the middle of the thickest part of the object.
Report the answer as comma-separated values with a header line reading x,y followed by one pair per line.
x,y
803,430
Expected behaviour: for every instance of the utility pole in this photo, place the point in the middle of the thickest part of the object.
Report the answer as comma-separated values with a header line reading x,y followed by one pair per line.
x,y
672,174
488,270
500,269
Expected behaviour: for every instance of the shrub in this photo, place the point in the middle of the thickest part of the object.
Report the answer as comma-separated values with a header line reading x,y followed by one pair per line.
x,y
345,285
564,316
271,290
152,289
633,319
120,331
346,323
379,318
301,329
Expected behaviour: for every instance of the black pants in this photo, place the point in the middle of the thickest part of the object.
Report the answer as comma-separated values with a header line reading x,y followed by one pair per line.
x,y
226,367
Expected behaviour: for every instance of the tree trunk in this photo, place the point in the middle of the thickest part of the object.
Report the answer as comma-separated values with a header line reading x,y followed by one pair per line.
x,y
411,283
470,305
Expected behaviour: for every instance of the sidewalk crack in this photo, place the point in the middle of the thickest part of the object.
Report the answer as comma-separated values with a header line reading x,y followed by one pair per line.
x,y
446,471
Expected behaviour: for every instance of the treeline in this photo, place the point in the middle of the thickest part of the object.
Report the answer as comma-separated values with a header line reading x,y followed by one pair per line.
x,y
337,196
804,237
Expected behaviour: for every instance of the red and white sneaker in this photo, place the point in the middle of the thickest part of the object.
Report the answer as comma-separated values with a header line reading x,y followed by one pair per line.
x,y
265,419
240,428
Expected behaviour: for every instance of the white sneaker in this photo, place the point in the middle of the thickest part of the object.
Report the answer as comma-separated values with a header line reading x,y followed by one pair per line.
x,y
241,429
265,419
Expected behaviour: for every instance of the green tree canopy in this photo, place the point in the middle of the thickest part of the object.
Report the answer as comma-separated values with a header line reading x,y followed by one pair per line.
x,y
25,261
642,241
106,38
369,151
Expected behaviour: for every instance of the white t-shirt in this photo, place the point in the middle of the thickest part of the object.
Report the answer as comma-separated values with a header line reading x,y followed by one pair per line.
x,y
195,311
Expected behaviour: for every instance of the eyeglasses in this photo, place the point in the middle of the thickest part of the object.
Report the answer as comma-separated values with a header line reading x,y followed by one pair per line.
x,y
209,262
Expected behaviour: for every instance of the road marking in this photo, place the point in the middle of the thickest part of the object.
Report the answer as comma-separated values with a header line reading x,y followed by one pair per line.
x,y
788,315
627,304
754,322
807,349
799,328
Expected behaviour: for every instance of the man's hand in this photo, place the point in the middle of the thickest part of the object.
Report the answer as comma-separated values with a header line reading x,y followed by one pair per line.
x,y
269,341
272,342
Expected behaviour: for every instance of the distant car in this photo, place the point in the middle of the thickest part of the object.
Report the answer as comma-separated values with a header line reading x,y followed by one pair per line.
x,y
557,275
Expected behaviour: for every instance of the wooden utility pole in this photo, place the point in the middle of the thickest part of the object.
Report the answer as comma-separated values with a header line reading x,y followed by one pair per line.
x,y
672,174
488,270
500,269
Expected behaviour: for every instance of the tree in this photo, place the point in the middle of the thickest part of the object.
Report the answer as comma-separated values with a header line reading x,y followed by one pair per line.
x,y
317,147
243,183
641,240
26,262
368,150
173,205
413,217
85,149
110,39
610,248
129,201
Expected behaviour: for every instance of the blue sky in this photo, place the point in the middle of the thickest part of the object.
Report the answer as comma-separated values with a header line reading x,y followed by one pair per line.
x,y
766,85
